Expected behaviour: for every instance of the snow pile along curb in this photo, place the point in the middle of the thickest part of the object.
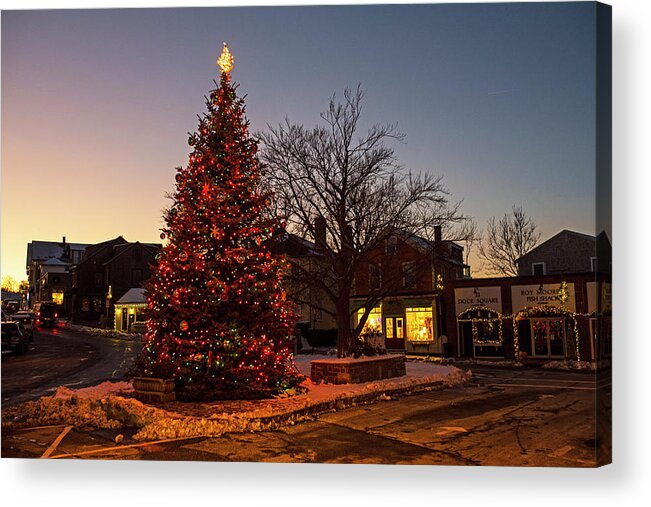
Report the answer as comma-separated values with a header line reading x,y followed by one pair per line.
x,y
94,331
176,426
570,365
86,408
102,407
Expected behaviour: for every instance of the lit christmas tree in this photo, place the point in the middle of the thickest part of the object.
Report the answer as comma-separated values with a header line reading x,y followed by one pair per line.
x,y
218,317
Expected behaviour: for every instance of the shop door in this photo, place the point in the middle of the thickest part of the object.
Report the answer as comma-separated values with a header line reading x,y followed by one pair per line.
x,y
124,319
465,332
548,337
395,332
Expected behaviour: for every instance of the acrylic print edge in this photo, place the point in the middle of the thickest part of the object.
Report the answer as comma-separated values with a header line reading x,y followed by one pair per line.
x,y
603,233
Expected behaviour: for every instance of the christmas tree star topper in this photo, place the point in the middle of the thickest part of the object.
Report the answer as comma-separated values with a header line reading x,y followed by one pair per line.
x,y
225,60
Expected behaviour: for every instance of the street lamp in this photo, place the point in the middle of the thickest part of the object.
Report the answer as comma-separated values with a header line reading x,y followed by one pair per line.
x,y
109,296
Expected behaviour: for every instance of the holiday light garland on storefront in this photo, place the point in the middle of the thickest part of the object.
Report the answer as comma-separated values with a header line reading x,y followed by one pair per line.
x,y
525,314
547,311
467,315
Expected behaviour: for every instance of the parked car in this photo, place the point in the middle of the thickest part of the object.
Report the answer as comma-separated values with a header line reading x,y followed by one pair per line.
x,y
14,337
46,313
11,306
28,320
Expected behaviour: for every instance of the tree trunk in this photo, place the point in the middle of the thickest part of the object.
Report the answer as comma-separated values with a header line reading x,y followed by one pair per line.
x,y
344,332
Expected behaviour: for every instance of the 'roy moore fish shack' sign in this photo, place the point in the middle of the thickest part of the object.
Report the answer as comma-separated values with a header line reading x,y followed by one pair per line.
x,y
490,297
540,295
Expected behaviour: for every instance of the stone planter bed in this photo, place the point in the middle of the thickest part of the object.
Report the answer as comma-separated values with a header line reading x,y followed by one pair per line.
x,y
356,370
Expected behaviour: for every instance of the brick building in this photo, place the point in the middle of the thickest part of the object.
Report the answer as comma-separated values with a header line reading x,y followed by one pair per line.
x,y
315,309
404,278
546,317
105,273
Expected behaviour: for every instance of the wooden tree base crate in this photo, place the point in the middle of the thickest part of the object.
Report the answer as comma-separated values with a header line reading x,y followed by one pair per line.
x,y
156,390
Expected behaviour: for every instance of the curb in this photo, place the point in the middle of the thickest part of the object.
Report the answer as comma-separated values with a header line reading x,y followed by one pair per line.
x,y
165,425
104,333
292,416
346,402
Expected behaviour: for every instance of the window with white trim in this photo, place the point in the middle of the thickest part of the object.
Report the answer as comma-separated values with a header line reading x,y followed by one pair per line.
x,y
538,268
409,274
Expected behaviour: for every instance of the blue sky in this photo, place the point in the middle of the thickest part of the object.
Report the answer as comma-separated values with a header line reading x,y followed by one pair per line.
x,y
96,104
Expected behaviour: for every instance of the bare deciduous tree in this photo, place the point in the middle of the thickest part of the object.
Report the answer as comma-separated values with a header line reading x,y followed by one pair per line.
x,y
354,191
506,240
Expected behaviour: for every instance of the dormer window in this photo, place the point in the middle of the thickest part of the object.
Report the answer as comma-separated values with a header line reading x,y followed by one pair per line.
x,y
538,268
391,244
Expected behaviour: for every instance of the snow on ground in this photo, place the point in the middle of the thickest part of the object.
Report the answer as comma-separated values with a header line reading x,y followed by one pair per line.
x,y
216,418
110,405
99,391
570,365
95,331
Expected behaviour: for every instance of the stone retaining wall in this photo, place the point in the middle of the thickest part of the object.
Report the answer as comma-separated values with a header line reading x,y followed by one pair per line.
x,y
355,371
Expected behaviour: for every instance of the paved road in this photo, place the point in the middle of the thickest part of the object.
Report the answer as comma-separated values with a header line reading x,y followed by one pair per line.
x,y
60,357
520,418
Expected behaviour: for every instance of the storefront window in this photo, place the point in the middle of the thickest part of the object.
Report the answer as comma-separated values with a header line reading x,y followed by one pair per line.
x,y
481,331
373,322
488,332
487,339
548,336
419,324
57,298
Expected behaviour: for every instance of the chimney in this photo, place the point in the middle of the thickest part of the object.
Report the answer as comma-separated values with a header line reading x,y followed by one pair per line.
x,y
438,235
64,242
320,233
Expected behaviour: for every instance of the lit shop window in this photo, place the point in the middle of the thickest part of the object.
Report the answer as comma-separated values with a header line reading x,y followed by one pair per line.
x,y
374,321
57,297
419,324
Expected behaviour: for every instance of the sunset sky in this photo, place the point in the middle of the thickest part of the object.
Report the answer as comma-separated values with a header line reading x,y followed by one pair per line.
x,y
97,104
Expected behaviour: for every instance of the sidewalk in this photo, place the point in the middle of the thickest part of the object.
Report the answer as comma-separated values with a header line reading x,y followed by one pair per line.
x,y
96,331
512,364
112,406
